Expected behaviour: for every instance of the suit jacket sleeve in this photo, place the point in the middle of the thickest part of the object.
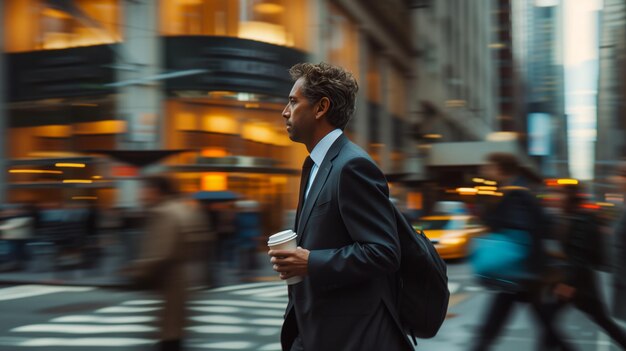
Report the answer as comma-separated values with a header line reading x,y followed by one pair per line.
x,y
367,214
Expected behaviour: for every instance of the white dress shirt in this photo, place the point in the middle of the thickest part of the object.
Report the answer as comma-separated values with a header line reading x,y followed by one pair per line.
x,y
319,153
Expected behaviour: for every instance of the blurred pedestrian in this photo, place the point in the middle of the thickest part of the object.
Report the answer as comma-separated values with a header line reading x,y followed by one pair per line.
x,y
225,227
174,233
517,210
248,223
91,242
17,228
619,274
349,250
578,231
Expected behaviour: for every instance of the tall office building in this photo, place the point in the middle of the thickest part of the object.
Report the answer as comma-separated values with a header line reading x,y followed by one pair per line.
x,y
456,83
509,44
546,121
611,124
455,101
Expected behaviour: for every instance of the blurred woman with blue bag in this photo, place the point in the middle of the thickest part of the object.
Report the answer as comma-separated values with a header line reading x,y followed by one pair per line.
x,y
580,235
510,259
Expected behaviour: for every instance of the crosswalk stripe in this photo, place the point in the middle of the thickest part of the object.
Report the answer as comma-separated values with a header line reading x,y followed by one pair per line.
x,y
83,329
216,309
244,286
85,342
225,319
229,309
142,302
220,329
104,320
227,345
271,347
219,319
260,291
278,293
275,322
125,309
24,291
239,303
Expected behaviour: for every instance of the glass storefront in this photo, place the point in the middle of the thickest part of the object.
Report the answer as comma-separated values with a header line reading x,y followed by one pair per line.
x,y
224,132
40,25
278,22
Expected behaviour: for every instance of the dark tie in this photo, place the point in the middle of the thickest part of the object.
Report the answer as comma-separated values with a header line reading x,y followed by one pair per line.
x,y
304,181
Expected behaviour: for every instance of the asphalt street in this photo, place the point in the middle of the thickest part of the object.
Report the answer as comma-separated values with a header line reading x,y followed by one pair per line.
x,y
237,317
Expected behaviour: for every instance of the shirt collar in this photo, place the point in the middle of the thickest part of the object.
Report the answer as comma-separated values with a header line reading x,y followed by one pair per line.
x,y
321,149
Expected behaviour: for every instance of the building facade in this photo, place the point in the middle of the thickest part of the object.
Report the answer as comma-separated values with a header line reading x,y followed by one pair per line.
x,y
456,82
610,147
509,41
455,99
207,78
545,123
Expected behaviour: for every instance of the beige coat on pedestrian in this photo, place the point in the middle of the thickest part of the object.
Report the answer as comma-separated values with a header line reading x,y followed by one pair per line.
x,y
176,243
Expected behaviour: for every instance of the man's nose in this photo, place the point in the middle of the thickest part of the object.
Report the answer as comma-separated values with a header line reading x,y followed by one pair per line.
x,y
286,112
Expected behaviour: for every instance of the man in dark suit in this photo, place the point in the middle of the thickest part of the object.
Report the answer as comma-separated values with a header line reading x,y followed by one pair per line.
x,y
348,247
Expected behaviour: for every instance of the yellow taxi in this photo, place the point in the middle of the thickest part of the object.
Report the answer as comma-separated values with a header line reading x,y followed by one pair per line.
x,y
451,234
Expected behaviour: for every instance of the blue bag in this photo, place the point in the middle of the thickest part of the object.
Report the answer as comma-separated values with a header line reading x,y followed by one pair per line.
x,y
502,259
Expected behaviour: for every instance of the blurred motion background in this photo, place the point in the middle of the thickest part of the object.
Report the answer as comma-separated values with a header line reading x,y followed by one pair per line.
x,y
95,94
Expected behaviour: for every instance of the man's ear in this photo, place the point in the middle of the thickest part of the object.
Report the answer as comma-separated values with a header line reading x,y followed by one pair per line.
x,y
322,107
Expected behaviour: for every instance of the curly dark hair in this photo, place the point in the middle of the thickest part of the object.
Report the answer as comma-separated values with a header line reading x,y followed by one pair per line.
x,y
335,83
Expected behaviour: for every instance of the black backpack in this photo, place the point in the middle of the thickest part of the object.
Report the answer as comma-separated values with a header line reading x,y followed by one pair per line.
x,y
424,290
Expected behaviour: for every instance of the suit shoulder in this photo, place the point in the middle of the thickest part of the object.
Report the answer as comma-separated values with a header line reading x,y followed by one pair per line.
x,y
352,153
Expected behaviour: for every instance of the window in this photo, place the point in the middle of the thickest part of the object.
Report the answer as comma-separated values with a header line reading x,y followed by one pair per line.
x,y
279,22
40,25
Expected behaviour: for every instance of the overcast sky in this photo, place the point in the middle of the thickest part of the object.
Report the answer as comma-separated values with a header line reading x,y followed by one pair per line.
x,y
581,80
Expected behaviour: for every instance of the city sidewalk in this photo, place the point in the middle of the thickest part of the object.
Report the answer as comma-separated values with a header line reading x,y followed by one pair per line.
x,y
114,257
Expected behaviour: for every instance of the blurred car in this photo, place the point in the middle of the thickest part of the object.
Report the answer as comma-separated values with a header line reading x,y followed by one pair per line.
x,y
451,234
451,208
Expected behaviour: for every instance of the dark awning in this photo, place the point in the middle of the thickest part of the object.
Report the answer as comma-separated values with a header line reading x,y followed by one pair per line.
x,y
138,158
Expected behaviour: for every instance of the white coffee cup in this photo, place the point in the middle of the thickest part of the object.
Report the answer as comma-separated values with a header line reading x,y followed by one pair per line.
x,y
285,240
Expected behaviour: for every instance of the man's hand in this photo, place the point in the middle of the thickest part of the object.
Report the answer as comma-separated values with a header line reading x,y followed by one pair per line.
x,y
290,263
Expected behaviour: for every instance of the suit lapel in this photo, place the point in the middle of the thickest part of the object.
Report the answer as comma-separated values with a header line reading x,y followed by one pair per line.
x,y
318,185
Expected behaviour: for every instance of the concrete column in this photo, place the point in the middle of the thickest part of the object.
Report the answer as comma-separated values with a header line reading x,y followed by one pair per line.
x,y
384,116
3,113
318,31
361,120
140,105
140,57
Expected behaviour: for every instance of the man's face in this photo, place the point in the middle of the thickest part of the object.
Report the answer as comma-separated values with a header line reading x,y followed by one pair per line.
x,y
299,115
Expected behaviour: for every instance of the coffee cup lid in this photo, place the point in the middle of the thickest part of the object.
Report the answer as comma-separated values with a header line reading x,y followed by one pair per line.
x,y
281,237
